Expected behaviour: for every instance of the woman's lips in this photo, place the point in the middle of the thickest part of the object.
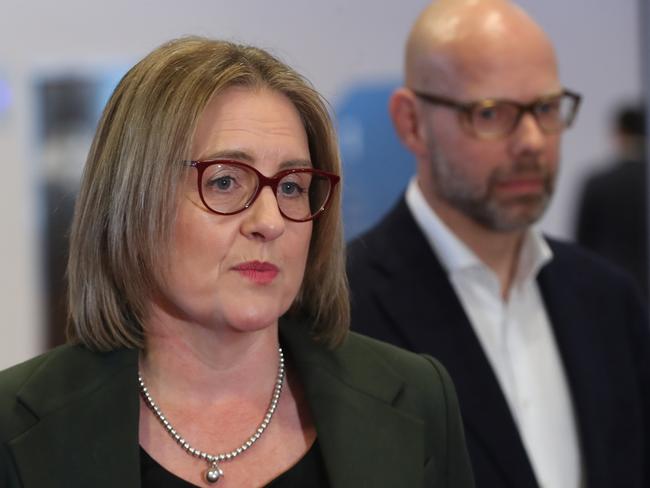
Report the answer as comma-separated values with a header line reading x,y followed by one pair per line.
x,y
257,271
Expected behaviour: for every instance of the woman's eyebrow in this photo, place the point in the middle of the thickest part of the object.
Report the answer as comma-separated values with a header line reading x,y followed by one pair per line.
x,y
239,155
296,163
230,154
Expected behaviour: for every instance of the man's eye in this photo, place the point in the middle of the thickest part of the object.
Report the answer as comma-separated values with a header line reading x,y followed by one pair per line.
x,y
487,113
547,107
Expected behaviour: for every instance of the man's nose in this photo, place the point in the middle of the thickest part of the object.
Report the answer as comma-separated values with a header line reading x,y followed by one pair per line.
x,y
528,136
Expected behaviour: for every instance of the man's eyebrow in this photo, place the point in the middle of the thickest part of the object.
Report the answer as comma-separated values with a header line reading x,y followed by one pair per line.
x,y
554,93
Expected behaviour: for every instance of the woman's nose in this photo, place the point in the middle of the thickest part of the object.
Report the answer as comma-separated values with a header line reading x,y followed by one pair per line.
x,y
263,219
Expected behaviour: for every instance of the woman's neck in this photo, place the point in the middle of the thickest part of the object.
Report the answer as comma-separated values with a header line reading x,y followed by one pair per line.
x,y
184,360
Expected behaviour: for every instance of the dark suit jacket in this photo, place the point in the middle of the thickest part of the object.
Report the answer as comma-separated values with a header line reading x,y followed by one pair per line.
x,y
613,217
401,294
384,417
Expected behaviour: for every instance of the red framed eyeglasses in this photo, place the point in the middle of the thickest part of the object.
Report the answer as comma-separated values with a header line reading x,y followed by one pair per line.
x,y
227,187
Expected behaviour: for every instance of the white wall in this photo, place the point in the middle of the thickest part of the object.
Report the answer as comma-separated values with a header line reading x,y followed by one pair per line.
x,y
332,43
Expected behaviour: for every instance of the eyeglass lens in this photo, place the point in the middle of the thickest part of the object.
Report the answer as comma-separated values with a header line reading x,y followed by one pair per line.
x,y
229,188
500,117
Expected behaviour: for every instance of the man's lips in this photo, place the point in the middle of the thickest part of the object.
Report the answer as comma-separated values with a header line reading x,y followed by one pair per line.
x,y
257,271
522,185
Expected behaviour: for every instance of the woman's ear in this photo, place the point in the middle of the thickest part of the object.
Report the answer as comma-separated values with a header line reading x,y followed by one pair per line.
x,y
405,115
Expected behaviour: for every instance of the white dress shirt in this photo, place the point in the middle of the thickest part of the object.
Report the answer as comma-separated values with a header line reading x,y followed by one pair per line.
x,y
518,340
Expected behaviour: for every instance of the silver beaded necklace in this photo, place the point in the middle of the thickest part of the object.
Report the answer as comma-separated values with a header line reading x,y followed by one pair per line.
x,y
214,472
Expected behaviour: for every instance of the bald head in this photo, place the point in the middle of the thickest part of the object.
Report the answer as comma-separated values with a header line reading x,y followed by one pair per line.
x,y
453,39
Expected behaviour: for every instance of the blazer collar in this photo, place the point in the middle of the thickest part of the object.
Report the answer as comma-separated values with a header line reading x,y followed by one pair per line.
x,y
67,444
351,400
416,287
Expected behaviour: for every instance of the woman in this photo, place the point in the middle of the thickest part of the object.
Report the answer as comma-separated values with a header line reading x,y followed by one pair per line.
x,y
209,308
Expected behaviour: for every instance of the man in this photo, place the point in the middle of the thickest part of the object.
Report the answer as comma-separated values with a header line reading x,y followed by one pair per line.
x,y
613,215
548,347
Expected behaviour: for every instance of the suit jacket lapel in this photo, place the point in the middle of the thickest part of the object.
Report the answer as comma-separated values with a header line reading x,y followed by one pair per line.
x,y
587,368
91,408
95,420
359,430
416,291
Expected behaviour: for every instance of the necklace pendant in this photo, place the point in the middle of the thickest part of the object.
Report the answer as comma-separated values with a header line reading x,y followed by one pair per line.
x,y
213,473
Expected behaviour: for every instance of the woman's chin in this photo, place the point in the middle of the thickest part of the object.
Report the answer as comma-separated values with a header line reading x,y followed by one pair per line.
x,y
252,320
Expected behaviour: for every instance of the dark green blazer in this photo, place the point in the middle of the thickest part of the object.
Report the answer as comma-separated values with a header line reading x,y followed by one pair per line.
x,y
384,417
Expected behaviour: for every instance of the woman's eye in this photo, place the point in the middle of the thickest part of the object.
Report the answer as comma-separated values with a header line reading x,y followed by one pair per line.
x,y
290,188
222,183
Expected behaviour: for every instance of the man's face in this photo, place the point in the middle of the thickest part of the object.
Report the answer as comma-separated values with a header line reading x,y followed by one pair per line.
x,y
501,184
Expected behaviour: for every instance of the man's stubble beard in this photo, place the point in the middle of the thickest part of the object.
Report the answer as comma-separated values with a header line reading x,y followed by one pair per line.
x,y
480,204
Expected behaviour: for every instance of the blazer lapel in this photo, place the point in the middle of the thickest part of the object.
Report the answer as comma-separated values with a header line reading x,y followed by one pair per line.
x,y
86,436
417,291
592,380
361,434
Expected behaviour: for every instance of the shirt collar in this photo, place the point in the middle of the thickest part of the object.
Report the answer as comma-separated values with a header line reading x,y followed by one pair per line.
x,y
455,256
535,253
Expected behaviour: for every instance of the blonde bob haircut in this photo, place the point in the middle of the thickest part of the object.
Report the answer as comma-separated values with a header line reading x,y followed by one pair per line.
x,y
127,202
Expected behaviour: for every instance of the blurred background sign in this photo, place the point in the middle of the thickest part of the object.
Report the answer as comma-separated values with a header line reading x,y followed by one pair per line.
x,y
68,106
376,167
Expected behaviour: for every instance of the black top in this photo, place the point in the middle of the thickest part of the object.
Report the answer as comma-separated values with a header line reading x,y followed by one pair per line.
x,y
308,471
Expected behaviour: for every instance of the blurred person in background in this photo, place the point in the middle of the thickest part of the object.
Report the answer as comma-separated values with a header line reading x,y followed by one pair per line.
x,y
548,346
613,209
209,309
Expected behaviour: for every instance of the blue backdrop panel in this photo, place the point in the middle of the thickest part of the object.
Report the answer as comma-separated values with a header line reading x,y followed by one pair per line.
x,y
376,167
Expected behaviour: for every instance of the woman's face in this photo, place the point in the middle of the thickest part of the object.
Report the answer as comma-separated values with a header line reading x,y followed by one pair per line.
x,y
239,271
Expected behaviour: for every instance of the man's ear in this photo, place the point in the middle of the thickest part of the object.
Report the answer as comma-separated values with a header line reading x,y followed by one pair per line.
x,y
405,115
